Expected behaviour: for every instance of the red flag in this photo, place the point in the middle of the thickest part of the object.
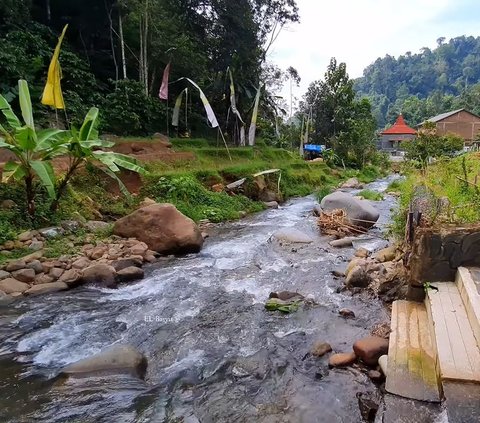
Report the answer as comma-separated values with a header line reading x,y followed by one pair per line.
x,y
163,94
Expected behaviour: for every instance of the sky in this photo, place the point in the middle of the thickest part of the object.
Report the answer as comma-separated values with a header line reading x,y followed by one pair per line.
x,y
357,32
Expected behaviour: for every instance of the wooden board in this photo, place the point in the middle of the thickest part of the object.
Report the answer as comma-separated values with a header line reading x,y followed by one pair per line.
x,y
458,352
468,283
411,356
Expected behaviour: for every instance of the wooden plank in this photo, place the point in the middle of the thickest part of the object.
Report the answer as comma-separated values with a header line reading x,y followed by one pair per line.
x,y
411,369
458,352
468,284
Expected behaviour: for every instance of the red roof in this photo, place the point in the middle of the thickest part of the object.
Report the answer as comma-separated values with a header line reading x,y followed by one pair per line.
x,y
400,128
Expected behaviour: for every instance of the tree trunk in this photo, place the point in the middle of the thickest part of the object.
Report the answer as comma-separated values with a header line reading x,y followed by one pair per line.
x,y
112,44
122,45
49,10
63,186
145,53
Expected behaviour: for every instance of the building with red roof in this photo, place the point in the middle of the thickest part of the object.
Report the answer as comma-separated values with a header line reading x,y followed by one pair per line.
x,y
392,137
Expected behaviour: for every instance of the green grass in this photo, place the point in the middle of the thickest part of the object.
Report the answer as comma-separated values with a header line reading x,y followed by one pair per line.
x,y
369,194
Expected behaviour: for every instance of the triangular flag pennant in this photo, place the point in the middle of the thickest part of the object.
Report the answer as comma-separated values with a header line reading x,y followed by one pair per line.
x,y
163,94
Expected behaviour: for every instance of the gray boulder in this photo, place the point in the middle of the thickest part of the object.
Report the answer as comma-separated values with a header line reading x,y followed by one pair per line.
x,y
116,359
100,274
46,288
359,212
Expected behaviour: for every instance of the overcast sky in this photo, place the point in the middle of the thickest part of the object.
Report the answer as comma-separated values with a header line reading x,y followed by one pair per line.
x,y
359,31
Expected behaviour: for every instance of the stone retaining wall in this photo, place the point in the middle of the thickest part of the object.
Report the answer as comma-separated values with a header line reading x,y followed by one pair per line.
x,y
436,253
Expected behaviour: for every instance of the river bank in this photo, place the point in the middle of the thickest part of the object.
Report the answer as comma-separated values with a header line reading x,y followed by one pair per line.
x,y
214,353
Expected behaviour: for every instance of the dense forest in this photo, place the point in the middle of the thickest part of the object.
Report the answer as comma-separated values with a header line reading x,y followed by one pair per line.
x,y
424,84
115,53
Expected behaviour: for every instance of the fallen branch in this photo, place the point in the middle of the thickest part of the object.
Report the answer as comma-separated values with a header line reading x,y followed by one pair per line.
x,y
337,223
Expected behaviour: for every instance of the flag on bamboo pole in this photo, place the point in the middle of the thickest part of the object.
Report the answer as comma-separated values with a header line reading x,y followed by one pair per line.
x,y
176,109
253,123
163,93
52,93
208,109
233,102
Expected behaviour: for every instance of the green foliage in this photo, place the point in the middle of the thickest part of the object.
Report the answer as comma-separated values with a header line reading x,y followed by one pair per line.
x,y
425,84
370,195
197,202
129,111
429,145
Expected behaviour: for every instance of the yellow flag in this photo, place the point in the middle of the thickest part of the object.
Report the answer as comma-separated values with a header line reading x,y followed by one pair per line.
x,y
52,94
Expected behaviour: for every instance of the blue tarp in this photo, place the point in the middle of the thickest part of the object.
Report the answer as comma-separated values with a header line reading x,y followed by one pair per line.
x,y
314,147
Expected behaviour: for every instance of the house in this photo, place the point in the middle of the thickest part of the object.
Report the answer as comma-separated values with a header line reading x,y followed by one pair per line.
x,y
460,122
392,138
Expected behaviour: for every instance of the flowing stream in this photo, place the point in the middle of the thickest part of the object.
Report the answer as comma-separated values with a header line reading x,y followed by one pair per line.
x,y
215,354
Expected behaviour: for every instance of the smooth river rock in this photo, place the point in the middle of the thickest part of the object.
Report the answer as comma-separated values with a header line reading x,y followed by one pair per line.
x,y
370,349
10,285
163,228
46,288
115,359
292,235
359,212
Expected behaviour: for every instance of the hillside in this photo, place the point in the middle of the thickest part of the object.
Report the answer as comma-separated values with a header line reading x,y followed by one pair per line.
x,y
424,84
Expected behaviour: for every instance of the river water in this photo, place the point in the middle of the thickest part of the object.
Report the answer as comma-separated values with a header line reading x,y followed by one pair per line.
x,y
214,353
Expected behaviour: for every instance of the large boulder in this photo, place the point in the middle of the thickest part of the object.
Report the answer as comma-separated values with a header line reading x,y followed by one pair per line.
x,y
351,183
100,274
163,228
292,235
116,359
359,212
46,288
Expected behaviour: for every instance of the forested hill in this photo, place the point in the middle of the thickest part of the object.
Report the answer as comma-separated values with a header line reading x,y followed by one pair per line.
x,y
424,84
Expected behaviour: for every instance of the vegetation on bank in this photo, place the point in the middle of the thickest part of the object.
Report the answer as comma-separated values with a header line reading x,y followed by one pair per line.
x,y
187,184
452,183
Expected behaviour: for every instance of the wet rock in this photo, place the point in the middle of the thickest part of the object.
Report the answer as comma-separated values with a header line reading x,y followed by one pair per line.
x,y
242,214
348,314
382,330
268,196
292,235
319,349
11,285
56,272
46,288
139,249
338,273
359,212
37,255
36,266
270,204
43,278
342,359
387,254
100,274
362,253
81,263
72,277
4,275
375,375
130,274
127,262
357,277
15,265
352,183
286,295
383,363
5,299
317,210
24,275
116,359
368,402
341,243
163,228
370,349
96,225
70,225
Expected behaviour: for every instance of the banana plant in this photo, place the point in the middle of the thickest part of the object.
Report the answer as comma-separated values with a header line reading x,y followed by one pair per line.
x,y
33,149
83,146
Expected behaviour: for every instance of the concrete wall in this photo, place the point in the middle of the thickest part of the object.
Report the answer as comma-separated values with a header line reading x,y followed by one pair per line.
x,y
462,123
392,142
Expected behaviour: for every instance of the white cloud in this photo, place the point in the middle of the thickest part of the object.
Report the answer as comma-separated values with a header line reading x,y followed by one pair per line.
x,y
359,31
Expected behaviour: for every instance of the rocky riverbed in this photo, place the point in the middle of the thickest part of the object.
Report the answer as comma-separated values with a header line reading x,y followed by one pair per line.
x,y
214,352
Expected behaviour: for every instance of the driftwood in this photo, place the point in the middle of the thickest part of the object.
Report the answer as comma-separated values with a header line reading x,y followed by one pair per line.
x,y
336,223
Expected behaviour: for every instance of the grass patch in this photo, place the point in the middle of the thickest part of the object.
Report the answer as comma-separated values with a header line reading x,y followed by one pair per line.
x,y
369,194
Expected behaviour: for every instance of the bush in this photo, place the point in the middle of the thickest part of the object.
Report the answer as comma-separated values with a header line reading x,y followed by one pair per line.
x,y
371,195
